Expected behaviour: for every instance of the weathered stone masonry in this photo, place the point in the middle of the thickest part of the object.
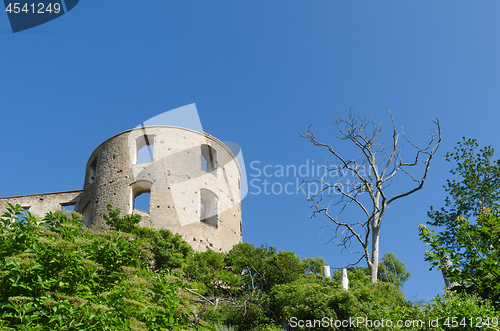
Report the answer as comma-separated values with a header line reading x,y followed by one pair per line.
x,y
193,180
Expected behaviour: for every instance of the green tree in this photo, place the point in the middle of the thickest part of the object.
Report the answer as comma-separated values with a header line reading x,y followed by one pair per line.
x,y
212,271
263,267
469,223
476,267
393,270
474,188
314,265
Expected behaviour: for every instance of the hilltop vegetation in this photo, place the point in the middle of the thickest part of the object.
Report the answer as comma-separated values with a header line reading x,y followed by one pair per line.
x,y
55,274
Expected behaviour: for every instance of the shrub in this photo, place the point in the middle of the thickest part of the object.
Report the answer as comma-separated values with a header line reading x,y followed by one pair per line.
x,y
59,275
450,311
314,298
169,250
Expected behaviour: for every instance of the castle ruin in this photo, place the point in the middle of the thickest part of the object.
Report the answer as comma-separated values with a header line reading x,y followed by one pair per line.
x,y
193,181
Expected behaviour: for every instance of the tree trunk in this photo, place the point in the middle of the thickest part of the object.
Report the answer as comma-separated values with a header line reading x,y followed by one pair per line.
x,y
375,244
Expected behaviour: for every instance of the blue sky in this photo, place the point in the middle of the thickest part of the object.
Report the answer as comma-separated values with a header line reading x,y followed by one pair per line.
x,y
260,72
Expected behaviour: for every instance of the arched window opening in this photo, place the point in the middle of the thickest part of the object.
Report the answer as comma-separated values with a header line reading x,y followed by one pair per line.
x,y
208,208
145,149
93,171
208,159
141,196
86,215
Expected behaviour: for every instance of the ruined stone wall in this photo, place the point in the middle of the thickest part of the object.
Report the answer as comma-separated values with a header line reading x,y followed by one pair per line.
x,y
40,204
181,188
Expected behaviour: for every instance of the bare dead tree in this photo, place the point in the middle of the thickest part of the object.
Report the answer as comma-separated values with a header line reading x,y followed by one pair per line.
x,y
372,174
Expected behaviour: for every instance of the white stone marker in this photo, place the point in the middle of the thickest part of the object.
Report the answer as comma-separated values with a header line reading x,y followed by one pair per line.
x,y
326,271
344,281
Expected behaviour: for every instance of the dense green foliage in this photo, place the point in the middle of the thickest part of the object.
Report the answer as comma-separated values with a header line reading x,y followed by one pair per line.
x,y
59,275
449,312
312,298
238,283
244,277
474,188
263,287
169,250
477,269
56,274
469,223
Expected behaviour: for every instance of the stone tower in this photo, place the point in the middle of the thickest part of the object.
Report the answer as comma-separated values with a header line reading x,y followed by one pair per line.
x,y
192,179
